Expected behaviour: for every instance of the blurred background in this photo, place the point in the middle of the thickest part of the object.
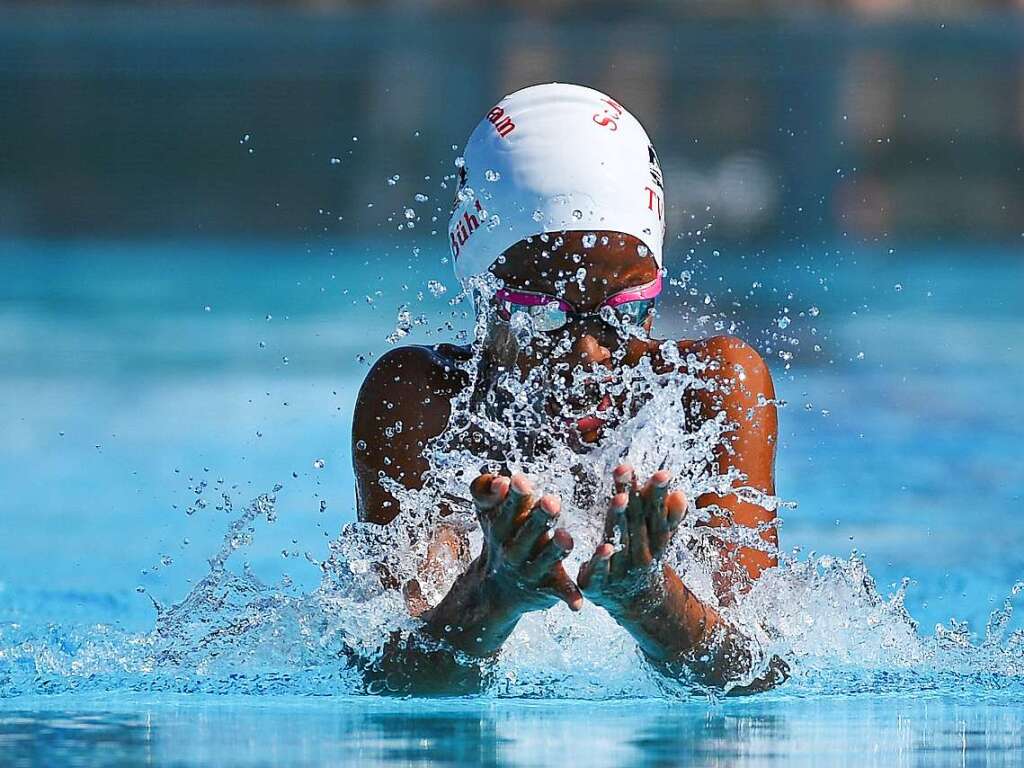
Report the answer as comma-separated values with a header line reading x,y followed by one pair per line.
x,y
213,216
869,118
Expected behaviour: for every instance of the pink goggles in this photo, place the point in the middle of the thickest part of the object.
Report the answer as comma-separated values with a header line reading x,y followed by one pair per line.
x,y
551,312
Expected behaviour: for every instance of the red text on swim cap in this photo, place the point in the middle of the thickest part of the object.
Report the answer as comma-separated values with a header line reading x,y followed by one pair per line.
x,y
654,202
463,230
502,123
606,118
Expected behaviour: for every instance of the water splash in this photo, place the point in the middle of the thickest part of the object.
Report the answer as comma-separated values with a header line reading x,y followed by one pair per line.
x,y
234,633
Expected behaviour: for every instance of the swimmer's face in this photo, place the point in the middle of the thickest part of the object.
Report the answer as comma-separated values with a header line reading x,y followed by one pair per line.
x,y
585,277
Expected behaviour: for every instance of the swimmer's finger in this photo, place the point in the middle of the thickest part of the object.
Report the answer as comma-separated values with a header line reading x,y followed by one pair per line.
x,y
524,540
563,586
675,507
594,573
615,519
484,491
619,564
623,478
553,550
514,508
654,507
636,521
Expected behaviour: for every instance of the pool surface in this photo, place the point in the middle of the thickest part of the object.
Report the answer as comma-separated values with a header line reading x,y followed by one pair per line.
x,y
149,391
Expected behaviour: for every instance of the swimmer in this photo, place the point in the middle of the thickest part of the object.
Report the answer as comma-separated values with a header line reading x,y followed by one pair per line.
x,y
557,178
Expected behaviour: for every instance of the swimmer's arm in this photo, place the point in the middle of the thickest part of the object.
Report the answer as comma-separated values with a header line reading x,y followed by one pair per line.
x,y
447,653
414,386
519,568
673,627
670,623
679,633
518,571
740,385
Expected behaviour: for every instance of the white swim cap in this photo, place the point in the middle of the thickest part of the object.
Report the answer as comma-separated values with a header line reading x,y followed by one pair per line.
x,y
554,158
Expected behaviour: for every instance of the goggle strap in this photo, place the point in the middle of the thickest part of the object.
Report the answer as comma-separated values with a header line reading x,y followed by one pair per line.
x,y
644,292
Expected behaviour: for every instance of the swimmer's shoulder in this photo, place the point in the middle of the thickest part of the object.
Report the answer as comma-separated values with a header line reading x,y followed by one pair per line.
x,y
729,357
412,384
438,368
404,401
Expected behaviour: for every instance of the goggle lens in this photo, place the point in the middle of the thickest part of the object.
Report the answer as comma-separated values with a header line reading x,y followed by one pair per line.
x,y
552,316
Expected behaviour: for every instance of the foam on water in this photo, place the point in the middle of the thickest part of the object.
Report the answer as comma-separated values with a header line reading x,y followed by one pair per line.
x,y
233,633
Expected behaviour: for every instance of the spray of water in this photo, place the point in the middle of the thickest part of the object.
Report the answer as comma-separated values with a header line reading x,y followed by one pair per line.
x,y
233,633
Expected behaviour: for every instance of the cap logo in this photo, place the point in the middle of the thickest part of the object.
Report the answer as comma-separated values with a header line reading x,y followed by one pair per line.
x,y
463,229
654,203
502,123
608,119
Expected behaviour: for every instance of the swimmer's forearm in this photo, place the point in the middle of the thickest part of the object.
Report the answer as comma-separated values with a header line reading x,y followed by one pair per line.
x,y
667,620
675,629
473,620
474,616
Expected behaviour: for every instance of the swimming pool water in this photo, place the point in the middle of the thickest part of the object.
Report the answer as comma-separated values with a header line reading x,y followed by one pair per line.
x,y
133,374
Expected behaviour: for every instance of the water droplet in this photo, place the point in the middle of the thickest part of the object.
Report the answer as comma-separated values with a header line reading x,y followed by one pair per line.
x,y
410,213
436,288
403,324
460,161
577,214
642,250
782,322
421,198
898,287
589,240
608,315
538,215
335,160
319,464
491,175
284,359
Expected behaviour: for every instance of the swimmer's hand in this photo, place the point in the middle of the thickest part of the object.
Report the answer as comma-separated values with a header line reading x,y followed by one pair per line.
x,y
519,568
523,551
675,630
642,520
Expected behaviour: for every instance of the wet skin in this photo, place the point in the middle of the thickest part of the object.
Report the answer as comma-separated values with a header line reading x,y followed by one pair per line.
x,y
520,567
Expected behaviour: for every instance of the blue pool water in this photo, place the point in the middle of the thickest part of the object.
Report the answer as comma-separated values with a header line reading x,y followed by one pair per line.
x,y
134,376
